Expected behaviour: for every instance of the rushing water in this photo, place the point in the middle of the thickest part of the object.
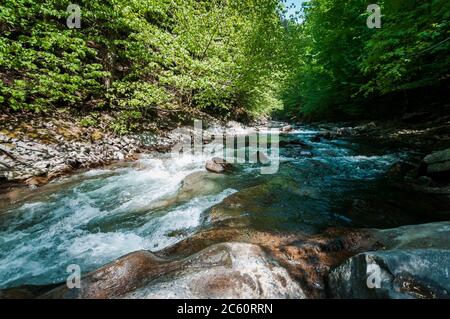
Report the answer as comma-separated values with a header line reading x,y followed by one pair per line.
x,y
95,217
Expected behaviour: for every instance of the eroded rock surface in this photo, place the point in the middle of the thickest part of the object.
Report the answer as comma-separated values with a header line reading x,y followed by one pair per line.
x,y
231,270
438,162
405,274
218,165
414,264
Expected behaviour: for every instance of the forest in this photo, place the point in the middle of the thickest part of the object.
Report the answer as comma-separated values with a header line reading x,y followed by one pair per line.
x,y
318,165
229,58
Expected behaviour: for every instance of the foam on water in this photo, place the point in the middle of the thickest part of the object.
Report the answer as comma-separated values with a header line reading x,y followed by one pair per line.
x,y
161,232
40,239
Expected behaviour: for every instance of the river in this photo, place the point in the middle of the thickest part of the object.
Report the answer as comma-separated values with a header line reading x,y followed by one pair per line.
x,y
96,216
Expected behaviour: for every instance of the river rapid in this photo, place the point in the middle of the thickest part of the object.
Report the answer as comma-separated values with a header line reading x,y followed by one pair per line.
x,y
97,216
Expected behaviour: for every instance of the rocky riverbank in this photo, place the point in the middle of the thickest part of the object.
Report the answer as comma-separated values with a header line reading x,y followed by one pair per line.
x,y
36,149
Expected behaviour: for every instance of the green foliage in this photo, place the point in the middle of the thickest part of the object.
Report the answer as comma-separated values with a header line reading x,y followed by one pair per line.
x,y
135,56
343,63
89,121
412,49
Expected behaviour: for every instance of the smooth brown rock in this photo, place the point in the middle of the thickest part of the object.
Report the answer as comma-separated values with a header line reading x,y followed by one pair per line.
x,y
438,162
287,129
230,270
115,279
218,165
37,181
308,258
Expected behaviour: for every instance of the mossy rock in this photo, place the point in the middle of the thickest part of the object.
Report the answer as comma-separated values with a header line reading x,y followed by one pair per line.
x,y
69,134
96,136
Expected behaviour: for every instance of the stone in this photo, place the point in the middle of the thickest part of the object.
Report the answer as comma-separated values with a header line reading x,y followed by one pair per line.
x,y
25,292
306,256
432,235
36,181
252,205
394,274
438,162
233,125
218,165
199,184
438,167
287,129
73,163
414,263
59,170
424,181
119,156
229,270
399,170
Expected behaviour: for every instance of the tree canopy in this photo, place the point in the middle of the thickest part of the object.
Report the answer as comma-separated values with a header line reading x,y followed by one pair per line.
x,y
222,57
343,64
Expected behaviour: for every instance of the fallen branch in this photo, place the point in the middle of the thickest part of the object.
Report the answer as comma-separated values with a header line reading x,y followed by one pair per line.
x,y
5,166
6,153
33,150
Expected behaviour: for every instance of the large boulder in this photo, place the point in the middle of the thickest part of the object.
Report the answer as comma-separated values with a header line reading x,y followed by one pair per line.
x,y
231,270
423,236
199,184
414,264
218,165
396,274
438,162
307,256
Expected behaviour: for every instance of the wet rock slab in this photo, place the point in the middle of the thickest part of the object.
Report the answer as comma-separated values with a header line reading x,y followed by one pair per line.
x,y
231,270
438,162
402,274
415,263
218,166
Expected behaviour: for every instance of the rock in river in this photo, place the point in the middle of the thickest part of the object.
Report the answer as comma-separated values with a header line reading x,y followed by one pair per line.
x,y
199,184
415,264
438,162
405,274
287,129
230,270
218,165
